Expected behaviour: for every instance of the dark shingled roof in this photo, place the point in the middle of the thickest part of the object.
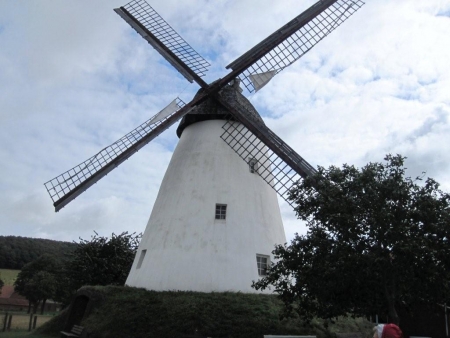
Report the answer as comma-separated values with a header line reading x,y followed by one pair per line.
x,y
210,109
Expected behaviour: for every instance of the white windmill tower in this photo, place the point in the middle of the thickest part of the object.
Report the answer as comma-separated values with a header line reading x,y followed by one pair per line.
x,y
215,221
216,218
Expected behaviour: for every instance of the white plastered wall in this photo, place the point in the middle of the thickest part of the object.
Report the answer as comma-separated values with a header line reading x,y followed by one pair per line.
x,y
186,247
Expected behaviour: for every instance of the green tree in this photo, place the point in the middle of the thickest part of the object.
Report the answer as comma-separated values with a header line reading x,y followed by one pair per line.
x,y
37,281
375,239
102,260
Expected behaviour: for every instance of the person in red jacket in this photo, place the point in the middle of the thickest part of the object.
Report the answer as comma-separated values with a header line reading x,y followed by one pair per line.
x,y
387,331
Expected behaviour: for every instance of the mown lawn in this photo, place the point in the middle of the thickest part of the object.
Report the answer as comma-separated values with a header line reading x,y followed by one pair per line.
x,y
18,334
21,321
8,276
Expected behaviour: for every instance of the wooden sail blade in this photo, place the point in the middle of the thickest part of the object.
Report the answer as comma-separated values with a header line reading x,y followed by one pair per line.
x,y
158,33
293,40
67,186
267,154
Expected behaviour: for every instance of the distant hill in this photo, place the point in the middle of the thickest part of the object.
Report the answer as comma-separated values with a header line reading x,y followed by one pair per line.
x,y
15,251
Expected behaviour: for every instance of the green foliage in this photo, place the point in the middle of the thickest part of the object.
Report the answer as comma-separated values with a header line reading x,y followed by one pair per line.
x,y
132,312
102,260
376,238
37,280
15,251
41,286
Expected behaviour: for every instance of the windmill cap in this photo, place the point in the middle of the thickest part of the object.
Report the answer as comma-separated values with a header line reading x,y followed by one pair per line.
x,y
210,109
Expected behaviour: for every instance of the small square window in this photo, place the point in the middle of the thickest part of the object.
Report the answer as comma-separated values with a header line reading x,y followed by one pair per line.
x,y
262,262
221,211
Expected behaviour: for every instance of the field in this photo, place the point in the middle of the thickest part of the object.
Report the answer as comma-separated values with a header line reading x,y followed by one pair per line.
x,y
8,276
24,334
22,321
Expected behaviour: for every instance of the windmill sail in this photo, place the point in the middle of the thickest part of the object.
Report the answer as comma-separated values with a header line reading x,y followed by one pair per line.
x,y
293,40
67,186
279,165
255,69
166,112
260,80
158,33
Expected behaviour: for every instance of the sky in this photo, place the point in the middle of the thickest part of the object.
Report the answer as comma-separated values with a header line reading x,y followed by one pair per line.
x,y
74,78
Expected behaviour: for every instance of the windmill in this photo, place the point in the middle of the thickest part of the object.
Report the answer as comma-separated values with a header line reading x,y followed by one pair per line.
x,y
216,218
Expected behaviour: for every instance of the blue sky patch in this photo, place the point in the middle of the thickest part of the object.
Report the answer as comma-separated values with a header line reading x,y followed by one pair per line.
x,y
427,82
444,13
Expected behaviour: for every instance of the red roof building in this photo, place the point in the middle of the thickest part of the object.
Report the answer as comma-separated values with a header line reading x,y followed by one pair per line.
x,y
11,300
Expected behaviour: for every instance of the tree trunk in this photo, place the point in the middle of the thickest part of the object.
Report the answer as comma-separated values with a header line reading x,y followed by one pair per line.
x,y
390,297
29,307
43,305
393,316
35,306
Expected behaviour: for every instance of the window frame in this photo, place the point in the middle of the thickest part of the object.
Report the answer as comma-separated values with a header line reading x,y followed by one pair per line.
x,y
141,258
220,213
262,272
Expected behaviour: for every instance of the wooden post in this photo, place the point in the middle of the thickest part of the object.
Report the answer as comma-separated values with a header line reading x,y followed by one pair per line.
x,y
9,322
5,321
31,320
34,322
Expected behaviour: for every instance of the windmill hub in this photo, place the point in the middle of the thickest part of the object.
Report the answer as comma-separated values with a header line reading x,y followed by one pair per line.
x,y
211,109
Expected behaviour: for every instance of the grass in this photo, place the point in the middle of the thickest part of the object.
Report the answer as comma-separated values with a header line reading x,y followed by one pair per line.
x,y
18,334
8,276
131,312
21,321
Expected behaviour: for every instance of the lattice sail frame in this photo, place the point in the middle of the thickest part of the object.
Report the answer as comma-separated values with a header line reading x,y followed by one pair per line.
x,y
153,22
272,169
300,42
61,185
67,186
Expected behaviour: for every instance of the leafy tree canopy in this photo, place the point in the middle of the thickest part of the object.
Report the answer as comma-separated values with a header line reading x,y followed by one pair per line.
x,y
102,260
37,280
376,238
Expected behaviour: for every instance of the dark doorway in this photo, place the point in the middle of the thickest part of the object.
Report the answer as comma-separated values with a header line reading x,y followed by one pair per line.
x,y
77,312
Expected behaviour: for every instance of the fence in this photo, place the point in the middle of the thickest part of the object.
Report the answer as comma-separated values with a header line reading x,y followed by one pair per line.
x,y
22,322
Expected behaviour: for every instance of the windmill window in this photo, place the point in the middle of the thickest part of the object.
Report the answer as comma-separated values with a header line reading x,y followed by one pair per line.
x,y
221,211
262,262
253,165
141,259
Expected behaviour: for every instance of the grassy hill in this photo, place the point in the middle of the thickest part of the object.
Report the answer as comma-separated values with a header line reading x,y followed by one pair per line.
x,y
132,312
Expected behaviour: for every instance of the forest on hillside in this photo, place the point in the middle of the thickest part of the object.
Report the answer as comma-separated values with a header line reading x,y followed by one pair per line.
x,y
15,251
